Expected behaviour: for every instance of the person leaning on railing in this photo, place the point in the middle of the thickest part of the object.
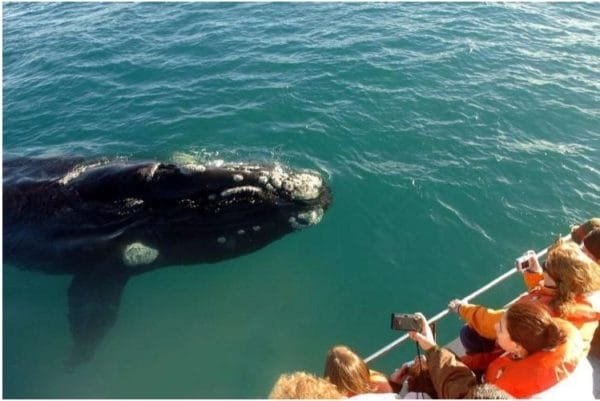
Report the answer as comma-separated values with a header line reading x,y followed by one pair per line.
x,y
567,286
538,353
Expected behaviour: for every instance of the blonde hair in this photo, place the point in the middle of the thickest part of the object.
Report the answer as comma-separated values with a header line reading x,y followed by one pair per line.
x,y
302,385
487,391
574,273
347,371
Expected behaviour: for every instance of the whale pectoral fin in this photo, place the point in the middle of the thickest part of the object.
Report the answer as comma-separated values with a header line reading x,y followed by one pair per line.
x,y
94,300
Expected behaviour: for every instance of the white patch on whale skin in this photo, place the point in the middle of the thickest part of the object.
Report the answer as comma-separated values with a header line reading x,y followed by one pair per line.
x,y
276,182
238,177
137,254
221,240
131,202
305,186
308,218
212,197
288,185
256,228
241,232
77,171
302,186
238,190
152,171
278,176
193,168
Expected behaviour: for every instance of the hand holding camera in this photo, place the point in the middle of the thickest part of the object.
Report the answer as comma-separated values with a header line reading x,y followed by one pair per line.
x,y
528,262
425,336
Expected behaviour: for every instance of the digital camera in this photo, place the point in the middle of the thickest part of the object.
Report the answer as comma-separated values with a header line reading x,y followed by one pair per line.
x,y
522,263
405,322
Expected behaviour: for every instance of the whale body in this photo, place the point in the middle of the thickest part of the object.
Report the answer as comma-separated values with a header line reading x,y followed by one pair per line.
x,y
104,221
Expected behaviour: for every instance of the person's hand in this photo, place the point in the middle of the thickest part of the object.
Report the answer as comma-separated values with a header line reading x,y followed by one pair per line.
x,y
401,374
455,305
408,370
534,263
420,363
425,337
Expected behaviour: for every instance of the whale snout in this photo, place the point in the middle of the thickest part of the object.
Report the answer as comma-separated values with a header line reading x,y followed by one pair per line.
x,y
309,193
305,186
302,196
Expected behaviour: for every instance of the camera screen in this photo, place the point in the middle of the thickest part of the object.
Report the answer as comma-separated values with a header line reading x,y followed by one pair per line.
x,y
405,322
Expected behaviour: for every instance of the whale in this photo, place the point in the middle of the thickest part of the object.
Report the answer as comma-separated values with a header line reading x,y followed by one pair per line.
x,y
103,221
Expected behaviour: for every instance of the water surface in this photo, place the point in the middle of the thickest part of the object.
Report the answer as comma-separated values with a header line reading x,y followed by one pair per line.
x,y
454,136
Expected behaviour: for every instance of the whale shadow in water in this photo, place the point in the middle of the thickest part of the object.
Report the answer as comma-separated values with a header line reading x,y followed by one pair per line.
x,y
105,221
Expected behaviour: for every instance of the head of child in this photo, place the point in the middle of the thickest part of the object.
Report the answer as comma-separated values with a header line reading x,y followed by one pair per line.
x,y
573,273
527,328
348,371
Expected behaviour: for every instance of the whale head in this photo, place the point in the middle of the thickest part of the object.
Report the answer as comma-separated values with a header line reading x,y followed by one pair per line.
x,y
168,214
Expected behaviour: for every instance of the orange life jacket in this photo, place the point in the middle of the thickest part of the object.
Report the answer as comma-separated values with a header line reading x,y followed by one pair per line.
x,y
537,372
584,316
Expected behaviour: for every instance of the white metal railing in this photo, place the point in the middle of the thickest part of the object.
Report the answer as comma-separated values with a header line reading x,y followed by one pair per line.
x,y
469,297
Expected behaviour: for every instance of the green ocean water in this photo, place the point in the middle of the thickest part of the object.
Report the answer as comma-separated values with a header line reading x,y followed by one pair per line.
x,y
454,137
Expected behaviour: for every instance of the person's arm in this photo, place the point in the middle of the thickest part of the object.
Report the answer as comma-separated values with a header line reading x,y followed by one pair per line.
x,y
530,267
482,320
451,378
481,360
425,337
532,279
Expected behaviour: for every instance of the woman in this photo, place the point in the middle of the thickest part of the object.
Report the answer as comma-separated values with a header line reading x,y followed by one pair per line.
x,y
539,351
349,372
567,287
